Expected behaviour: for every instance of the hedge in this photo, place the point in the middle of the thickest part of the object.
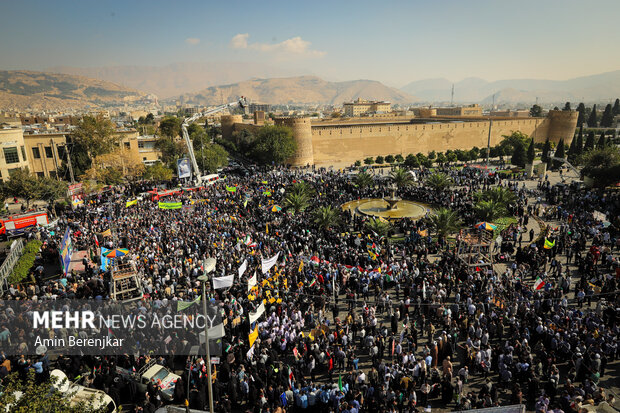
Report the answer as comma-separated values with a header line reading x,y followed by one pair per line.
x,y
25,262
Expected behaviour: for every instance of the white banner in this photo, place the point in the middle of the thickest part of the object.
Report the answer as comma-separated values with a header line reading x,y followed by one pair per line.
x,y
223,282
267,264
252,281
215,332
256,315
243,267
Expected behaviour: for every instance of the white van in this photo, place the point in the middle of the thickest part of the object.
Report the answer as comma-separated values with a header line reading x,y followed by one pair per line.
x,y
79,395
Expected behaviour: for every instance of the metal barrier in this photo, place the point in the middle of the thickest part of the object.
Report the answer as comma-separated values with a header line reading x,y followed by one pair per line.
x,y
9,263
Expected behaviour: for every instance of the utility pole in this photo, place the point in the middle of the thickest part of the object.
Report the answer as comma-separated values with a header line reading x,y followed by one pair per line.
x,y
209,266
69,163
489,142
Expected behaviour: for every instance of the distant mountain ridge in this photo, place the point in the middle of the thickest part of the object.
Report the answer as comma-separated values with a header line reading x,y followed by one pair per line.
x,y
298,90
22,90
176,78
592,88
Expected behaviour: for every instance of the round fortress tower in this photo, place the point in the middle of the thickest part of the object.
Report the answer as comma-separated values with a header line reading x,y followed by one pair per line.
x,y
228,123
302,133
562,125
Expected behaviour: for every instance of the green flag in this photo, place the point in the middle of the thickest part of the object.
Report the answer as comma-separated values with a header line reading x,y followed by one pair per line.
x,y
184,305
131,203
170,205
231,188
340,381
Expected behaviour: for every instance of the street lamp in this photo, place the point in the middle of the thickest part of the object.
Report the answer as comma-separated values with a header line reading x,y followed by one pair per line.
x,y
209,266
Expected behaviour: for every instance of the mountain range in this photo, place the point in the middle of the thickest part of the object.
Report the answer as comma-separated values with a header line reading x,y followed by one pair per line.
x,y
298,90
174,79
27,90
594,88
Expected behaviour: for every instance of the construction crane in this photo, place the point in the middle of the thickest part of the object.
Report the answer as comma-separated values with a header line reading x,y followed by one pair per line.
x,y
190,148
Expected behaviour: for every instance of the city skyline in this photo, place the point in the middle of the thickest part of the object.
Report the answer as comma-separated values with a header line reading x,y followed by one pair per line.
x,y
395,43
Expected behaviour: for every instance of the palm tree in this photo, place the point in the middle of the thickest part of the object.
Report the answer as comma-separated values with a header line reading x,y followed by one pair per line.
x,y
363,180
489,210
378,226
439,181
303,188
296,201
401,177
326,217
445,221
501,196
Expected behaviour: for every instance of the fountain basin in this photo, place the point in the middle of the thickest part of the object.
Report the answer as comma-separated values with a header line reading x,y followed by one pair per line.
x,y
381,208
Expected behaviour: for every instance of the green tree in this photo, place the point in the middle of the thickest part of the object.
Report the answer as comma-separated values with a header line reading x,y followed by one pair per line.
x,y
401,178
519,156
489,210
158,172
432,155
303,188
451,156
531,152
369,161
445,222
326,217
438,181
559,153
483,153
607,119
441,158
592,120
358,163
579,145
601,141
399,158
30,395
589,142
581,109
535,111
546,151
212,157
363,180
566,107
22,184
243,141
389,159
602,165
296,201
96,135
510,142
170,127
50,190
616,109
474,153
412,161
171,150
572,150
381,228
379,160
500,196
274,144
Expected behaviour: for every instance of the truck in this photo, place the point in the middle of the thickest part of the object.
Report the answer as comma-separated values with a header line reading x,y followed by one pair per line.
x,y
16,225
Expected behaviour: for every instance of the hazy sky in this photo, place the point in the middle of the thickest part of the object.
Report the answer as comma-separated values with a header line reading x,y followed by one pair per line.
x,y
392,41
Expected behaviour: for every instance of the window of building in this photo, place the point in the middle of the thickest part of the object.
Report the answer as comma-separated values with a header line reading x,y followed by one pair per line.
x,y
11,155
23,153
61,152
36,154
127,146
40,174
52,174
48,152
140,144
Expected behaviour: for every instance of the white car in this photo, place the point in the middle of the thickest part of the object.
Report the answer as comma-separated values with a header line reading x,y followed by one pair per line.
x,y
79,395
158,374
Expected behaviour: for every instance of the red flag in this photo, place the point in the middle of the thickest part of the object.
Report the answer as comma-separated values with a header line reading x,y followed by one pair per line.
x,y
96,240
478,269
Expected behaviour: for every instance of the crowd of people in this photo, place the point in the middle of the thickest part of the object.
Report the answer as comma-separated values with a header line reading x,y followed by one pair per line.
x,y
353,321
